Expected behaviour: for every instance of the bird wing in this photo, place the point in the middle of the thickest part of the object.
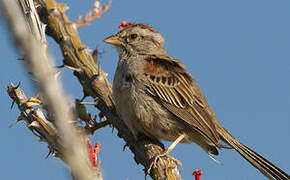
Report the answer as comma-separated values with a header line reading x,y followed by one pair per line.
x,y
175,88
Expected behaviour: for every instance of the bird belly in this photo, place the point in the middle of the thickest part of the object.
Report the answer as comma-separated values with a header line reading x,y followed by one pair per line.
x,y
142,114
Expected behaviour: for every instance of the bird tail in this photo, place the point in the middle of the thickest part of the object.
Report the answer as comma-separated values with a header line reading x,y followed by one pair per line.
x,y
263,165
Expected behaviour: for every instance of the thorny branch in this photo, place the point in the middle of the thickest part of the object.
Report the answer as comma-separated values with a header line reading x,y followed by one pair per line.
x,y
35,120
72,146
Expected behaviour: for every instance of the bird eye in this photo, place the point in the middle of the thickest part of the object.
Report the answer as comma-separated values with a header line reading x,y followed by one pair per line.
x,y
133,36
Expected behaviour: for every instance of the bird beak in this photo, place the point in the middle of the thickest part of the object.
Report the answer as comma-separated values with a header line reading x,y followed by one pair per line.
x,y
114,40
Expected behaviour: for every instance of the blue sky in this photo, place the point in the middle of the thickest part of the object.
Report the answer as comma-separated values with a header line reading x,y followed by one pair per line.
x,y
238,52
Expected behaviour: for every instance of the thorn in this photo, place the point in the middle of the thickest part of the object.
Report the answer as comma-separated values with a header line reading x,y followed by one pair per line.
x,y
17,86
145,172
99,68
48,154
101,115
13,102
215,160
57,74
21,59
82,48
73,68
83,97
32,104
16,121
41,139
36,96
95,119
89,103
59,67
33,132
226,147
95,55
34,124
125,146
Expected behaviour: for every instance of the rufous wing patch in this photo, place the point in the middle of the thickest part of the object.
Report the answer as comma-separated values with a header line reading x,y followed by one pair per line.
x,y
153,68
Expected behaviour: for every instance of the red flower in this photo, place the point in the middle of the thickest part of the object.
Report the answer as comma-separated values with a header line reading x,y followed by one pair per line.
x,y
197,174
123,25
94,152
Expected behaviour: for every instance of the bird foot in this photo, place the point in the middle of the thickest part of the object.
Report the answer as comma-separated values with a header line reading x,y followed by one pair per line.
x,y
157,157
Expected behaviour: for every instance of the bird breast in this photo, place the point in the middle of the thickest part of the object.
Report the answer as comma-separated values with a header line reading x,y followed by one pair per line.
x,y
141,112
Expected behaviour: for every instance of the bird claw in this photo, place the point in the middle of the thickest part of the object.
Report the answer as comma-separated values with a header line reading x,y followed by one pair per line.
x,y
166,154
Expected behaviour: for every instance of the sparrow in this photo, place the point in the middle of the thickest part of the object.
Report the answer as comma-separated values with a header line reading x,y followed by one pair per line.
x,y
157,97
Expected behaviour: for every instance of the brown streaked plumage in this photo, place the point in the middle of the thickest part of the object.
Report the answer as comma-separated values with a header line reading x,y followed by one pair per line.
x,y
157,97
181,96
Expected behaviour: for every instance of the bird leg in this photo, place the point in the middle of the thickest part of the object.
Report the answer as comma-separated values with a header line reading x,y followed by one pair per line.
x,y
166,153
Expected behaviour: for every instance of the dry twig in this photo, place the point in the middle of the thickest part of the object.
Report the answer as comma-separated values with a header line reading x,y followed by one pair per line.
x,y
92,15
